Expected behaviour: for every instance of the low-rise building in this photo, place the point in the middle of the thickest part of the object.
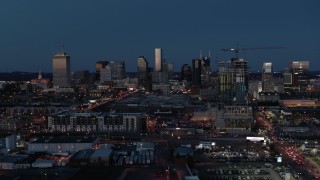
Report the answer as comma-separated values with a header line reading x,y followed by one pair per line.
x,y
10,162
8,124
235,120
183,151
81,158
101,157
43,163
7,143
300,102
102,122
36,110
90,157
61,145
268,97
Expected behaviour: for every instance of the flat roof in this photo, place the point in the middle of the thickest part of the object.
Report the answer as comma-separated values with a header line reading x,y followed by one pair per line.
x,y
65,140
83,154
12,158
101,153
183,150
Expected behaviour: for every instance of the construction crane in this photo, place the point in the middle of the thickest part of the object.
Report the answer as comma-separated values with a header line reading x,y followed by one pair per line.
x,y
236,50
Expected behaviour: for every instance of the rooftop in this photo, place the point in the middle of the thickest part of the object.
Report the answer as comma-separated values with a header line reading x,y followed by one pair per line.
x,y
101,153
83,154
13,158
66,140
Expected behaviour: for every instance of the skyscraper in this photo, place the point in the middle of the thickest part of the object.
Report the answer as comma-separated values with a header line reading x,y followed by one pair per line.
x,y
142,65
186,72
299,70
61,70
267,77
233,81
240,68
105,74
196,72
206,71
201,72
267,71
117,69
167,67
158,59
225,82
99,66
299,65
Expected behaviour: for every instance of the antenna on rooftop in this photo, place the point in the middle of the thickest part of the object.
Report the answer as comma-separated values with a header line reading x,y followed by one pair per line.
x,y
200,53
63,48
209,53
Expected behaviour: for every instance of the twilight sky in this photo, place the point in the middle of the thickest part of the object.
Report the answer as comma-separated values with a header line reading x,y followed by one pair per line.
x,y
32,31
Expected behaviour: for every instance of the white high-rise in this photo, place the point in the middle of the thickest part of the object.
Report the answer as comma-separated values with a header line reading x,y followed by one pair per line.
x,y
158,59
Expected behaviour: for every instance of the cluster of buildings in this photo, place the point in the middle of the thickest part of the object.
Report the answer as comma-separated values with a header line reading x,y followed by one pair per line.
x,y
270,87
77,152
231,91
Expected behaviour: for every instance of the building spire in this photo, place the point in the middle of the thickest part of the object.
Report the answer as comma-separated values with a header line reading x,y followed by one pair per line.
x,y
200,53
209,53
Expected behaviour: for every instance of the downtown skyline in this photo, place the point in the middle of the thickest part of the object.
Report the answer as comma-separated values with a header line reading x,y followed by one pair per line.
x,y
32,32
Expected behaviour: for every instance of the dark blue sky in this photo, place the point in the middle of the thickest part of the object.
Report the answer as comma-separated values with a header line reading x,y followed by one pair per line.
x,y
31,32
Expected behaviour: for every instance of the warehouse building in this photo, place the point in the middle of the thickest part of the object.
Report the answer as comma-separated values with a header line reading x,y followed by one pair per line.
x,y
62,145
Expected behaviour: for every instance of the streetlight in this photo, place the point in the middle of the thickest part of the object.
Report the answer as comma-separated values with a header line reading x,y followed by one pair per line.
x,y
177,128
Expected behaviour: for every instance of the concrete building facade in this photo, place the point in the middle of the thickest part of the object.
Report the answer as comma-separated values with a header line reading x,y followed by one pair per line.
x,y
61,70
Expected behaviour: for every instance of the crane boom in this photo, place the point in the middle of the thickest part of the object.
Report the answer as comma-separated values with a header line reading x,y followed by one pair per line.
x,y
236,50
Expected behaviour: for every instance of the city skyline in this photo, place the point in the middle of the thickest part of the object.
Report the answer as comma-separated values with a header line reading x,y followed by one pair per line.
x,y
32,32
183,89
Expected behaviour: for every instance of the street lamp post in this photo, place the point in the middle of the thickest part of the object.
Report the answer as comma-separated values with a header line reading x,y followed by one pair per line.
x,y
177,128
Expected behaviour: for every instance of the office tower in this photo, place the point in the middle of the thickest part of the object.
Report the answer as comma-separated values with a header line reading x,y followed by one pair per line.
x,y
201,72
143,66
158,59
205,72
196,72
160,77
186,72
240,68
299,70
167,67
82,77
299,66
267,71
117,70
225,82
287,77
61,70
267,77
105,74
99,65
233,81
